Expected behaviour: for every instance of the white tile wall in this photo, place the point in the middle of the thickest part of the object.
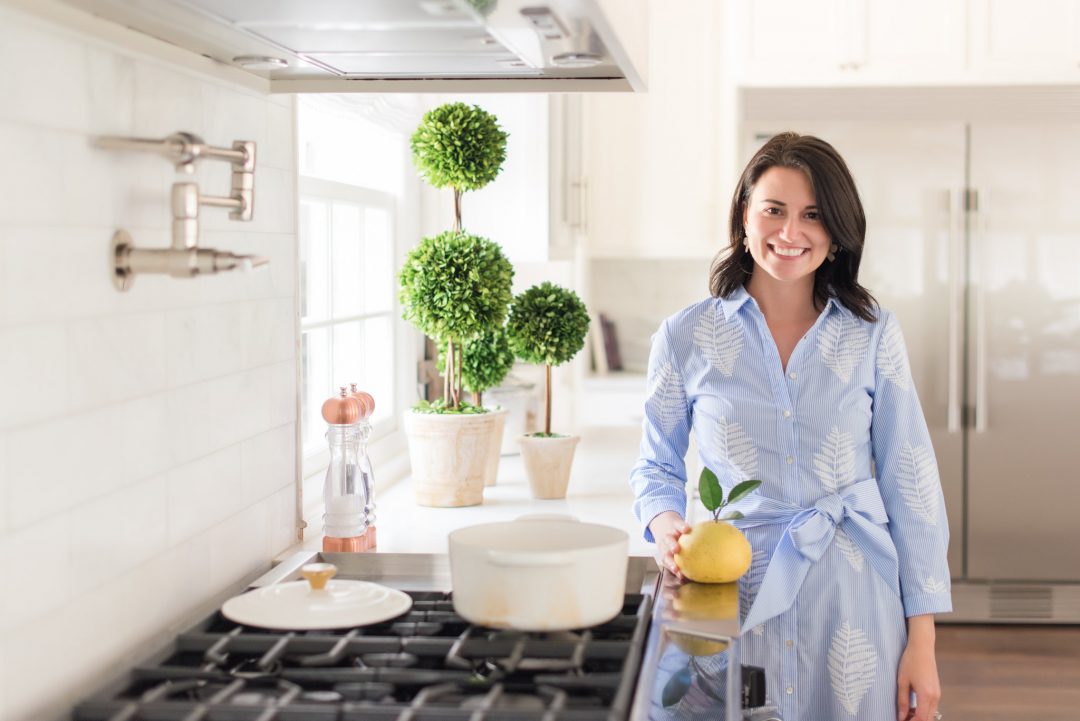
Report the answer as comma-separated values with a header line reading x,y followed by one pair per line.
x,y
147,453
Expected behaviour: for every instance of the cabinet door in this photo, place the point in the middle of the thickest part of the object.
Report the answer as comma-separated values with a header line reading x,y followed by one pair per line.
x,y
791,42
1025,41
652,158
923,40
841,42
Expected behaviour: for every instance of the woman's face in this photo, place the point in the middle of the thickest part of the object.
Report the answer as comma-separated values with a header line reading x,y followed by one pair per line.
x,y
787,238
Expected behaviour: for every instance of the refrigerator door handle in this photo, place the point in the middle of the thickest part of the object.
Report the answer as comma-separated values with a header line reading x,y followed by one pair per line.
x,y
979,331
956,308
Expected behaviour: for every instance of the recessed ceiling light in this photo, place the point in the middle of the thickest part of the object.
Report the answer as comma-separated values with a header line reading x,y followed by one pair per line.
x,y
259,62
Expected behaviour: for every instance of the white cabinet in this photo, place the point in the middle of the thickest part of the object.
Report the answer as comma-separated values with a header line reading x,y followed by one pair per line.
x,y
654,181
1023,41
839,42
782,43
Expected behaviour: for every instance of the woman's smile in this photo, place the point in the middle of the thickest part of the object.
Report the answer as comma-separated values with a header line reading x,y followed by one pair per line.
x,y
787,252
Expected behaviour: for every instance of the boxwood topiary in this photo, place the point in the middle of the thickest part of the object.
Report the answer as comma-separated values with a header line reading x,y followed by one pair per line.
x,y
454,286
547,326
485,361
459,146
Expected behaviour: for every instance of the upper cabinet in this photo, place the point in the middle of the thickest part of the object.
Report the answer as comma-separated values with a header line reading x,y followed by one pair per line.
x,y
652,180
1019,41
916,42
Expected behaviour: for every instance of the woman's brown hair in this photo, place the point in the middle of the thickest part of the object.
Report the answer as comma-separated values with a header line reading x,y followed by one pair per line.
x,y
841,213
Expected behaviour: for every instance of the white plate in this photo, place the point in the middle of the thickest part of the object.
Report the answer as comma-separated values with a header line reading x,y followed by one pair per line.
x,y
295,606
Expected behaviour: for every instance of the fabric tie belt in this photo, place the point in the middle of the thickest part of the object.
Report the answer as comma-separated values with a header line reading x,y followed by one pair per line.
x,y
809,532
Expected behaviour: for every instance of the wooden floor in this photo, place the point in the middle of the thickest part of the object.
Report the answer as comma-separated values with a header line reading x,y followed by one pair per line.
x,y
1009,673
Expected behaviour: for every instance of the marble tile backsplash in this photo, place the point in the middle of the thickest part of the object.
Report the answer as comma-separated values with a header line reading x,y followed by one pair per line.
x,y
147,438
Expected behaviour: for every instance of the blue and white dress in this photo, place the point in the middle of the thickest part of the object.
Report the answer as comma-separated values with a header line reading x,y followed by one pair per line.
x,y
848,528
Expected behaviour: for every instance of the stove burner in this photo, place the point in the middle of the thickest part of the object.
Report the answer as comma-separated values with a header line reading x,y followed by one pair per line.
x,y
373,691
429,665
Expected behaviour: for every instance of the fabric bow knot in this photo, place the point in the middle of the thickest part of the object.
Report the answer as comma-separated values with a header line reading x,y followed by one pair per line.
x,y
815,533
809,533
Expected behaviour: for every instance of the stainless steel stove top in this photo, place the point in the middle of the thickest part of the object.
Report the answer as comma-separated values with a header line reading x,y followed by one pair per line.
x,y
424,665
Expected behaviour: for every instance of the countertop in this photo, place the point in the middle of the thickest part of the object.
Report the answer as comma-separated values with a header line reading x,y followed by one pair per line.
x,y
599,492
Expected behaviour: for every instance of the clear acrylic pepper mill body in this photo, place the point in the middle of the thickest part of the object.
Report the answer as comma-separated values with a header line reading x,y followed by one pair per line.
x,y
347,488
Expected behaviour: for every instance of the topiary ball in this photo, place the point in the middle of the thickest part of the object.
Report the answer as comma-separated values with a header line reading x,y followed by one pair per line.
x,y
547,324
459,146
485,361
455,285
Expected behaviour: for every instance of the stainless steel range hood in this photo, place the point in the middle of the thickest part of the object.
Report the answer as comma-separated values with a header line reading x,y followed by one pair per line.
x,y
407,45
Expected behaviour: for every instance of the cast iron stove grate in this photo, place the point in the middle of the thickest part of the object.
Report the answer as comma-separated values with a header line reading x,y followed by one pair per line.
x,y
426,665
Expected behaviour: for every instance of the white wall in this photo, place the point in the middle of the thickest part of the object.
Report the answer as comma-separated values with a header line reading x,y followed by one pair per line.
x,y
147,439
637,294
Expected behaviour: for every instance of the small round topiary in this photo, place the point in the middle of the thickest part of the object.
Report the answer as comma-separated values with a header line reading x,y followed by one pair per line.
x,y
485,361
459,146
455,285
547,324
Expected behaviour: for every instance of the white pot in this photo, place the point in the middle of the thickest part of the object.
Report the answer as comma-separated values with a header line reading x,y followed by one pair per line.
x,y
449,456
547,464
538,574
491,471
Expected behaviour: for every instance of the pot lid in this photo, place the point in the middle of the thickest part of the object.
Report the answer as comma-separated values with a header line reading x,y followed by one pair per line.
x,y
317,603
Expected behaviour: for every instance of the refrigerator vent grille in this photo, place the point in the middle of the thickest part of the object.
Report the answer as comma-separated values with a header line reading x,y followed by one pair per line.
x,y
1021,602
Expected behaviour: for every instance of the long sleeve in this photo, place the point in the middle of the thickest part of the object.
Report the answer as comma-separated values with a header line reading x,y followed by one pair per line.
x,y
908,478
658,479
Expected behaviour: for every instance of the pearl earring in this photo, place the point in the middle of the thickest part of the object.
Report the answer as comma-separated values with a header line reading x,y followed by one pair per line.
x,y
832,251
746,243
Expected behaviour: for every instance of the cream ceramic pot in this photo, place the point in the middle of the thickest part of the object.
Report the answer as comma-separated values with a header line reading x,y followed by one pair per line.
x,y
538,574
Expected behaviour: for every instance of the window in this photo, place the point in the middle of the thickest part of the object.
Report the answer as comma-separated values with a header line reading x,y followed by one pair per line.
x,y
358,213
347,301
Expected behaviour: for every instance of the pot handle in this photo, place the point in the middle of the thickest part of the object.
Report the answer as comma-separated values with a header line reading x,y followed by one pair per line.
x,y
526,560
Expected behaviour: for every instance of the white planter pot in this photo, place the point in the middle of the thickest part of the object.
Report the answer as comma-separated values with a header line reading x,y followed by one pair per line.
x,y
449,457
491,471
538,574
547,464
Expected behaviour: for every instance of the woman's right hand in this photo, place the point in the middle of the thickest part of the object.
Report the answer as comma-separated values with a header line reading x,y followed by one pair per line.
x,y
666,529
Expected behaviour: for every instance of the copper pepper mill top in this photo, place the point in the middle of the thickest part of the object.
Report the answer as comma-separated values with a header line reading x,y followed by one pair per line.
x,y
341,410
365,400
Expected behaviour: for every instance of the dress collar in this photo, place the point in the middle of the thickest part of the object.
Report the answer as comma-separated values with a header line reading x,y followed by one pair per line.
x,y
734,302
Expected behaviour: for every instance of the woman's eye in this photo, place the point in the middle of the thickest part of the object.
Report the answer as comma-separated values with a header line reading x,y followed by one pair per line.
x,y
812,215
772,210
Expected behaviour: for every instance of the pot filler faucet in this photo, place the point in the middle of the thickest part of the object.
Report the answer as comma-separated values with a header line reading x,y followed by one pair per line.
x,y
185,259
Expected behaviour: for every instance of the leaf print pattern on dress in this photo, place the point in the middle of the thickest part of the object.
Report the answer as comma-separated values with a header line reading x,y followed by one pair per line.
x,y
834,464
892,359
852,666
719,339
736,448
842,343
918,478
849,550
666,397
749,585
931,585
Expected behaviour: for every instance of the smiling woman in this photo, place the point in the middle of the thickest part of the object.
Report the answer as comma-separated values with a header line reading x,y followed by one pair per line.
x,y
791,374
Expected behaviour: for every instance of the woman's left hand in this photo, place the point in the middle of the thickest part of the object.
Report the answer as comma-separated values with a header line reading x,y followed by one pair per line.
x,y
918,672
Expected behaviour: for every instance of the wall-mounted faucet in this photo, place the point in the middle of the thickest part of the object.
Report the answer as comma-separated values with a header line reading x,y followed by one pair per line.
x,y
184,259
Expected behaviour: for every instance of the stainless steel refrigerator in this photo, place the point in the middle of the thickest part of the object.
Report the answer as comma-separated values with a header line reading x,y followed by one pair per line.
x,y
974,241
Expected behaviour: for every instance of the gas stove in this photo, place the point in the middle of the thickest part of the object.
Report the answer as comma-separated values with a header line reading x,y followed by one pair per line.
x,y
426,665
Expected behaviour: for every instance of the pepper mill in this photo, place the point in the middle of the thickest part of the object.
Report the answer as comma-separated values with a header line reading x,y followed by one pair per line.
x,y
345,524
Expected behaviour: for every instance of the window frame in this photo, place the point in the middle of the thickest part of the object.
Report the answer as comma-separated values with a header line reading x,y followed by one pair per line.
x,y
320,189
